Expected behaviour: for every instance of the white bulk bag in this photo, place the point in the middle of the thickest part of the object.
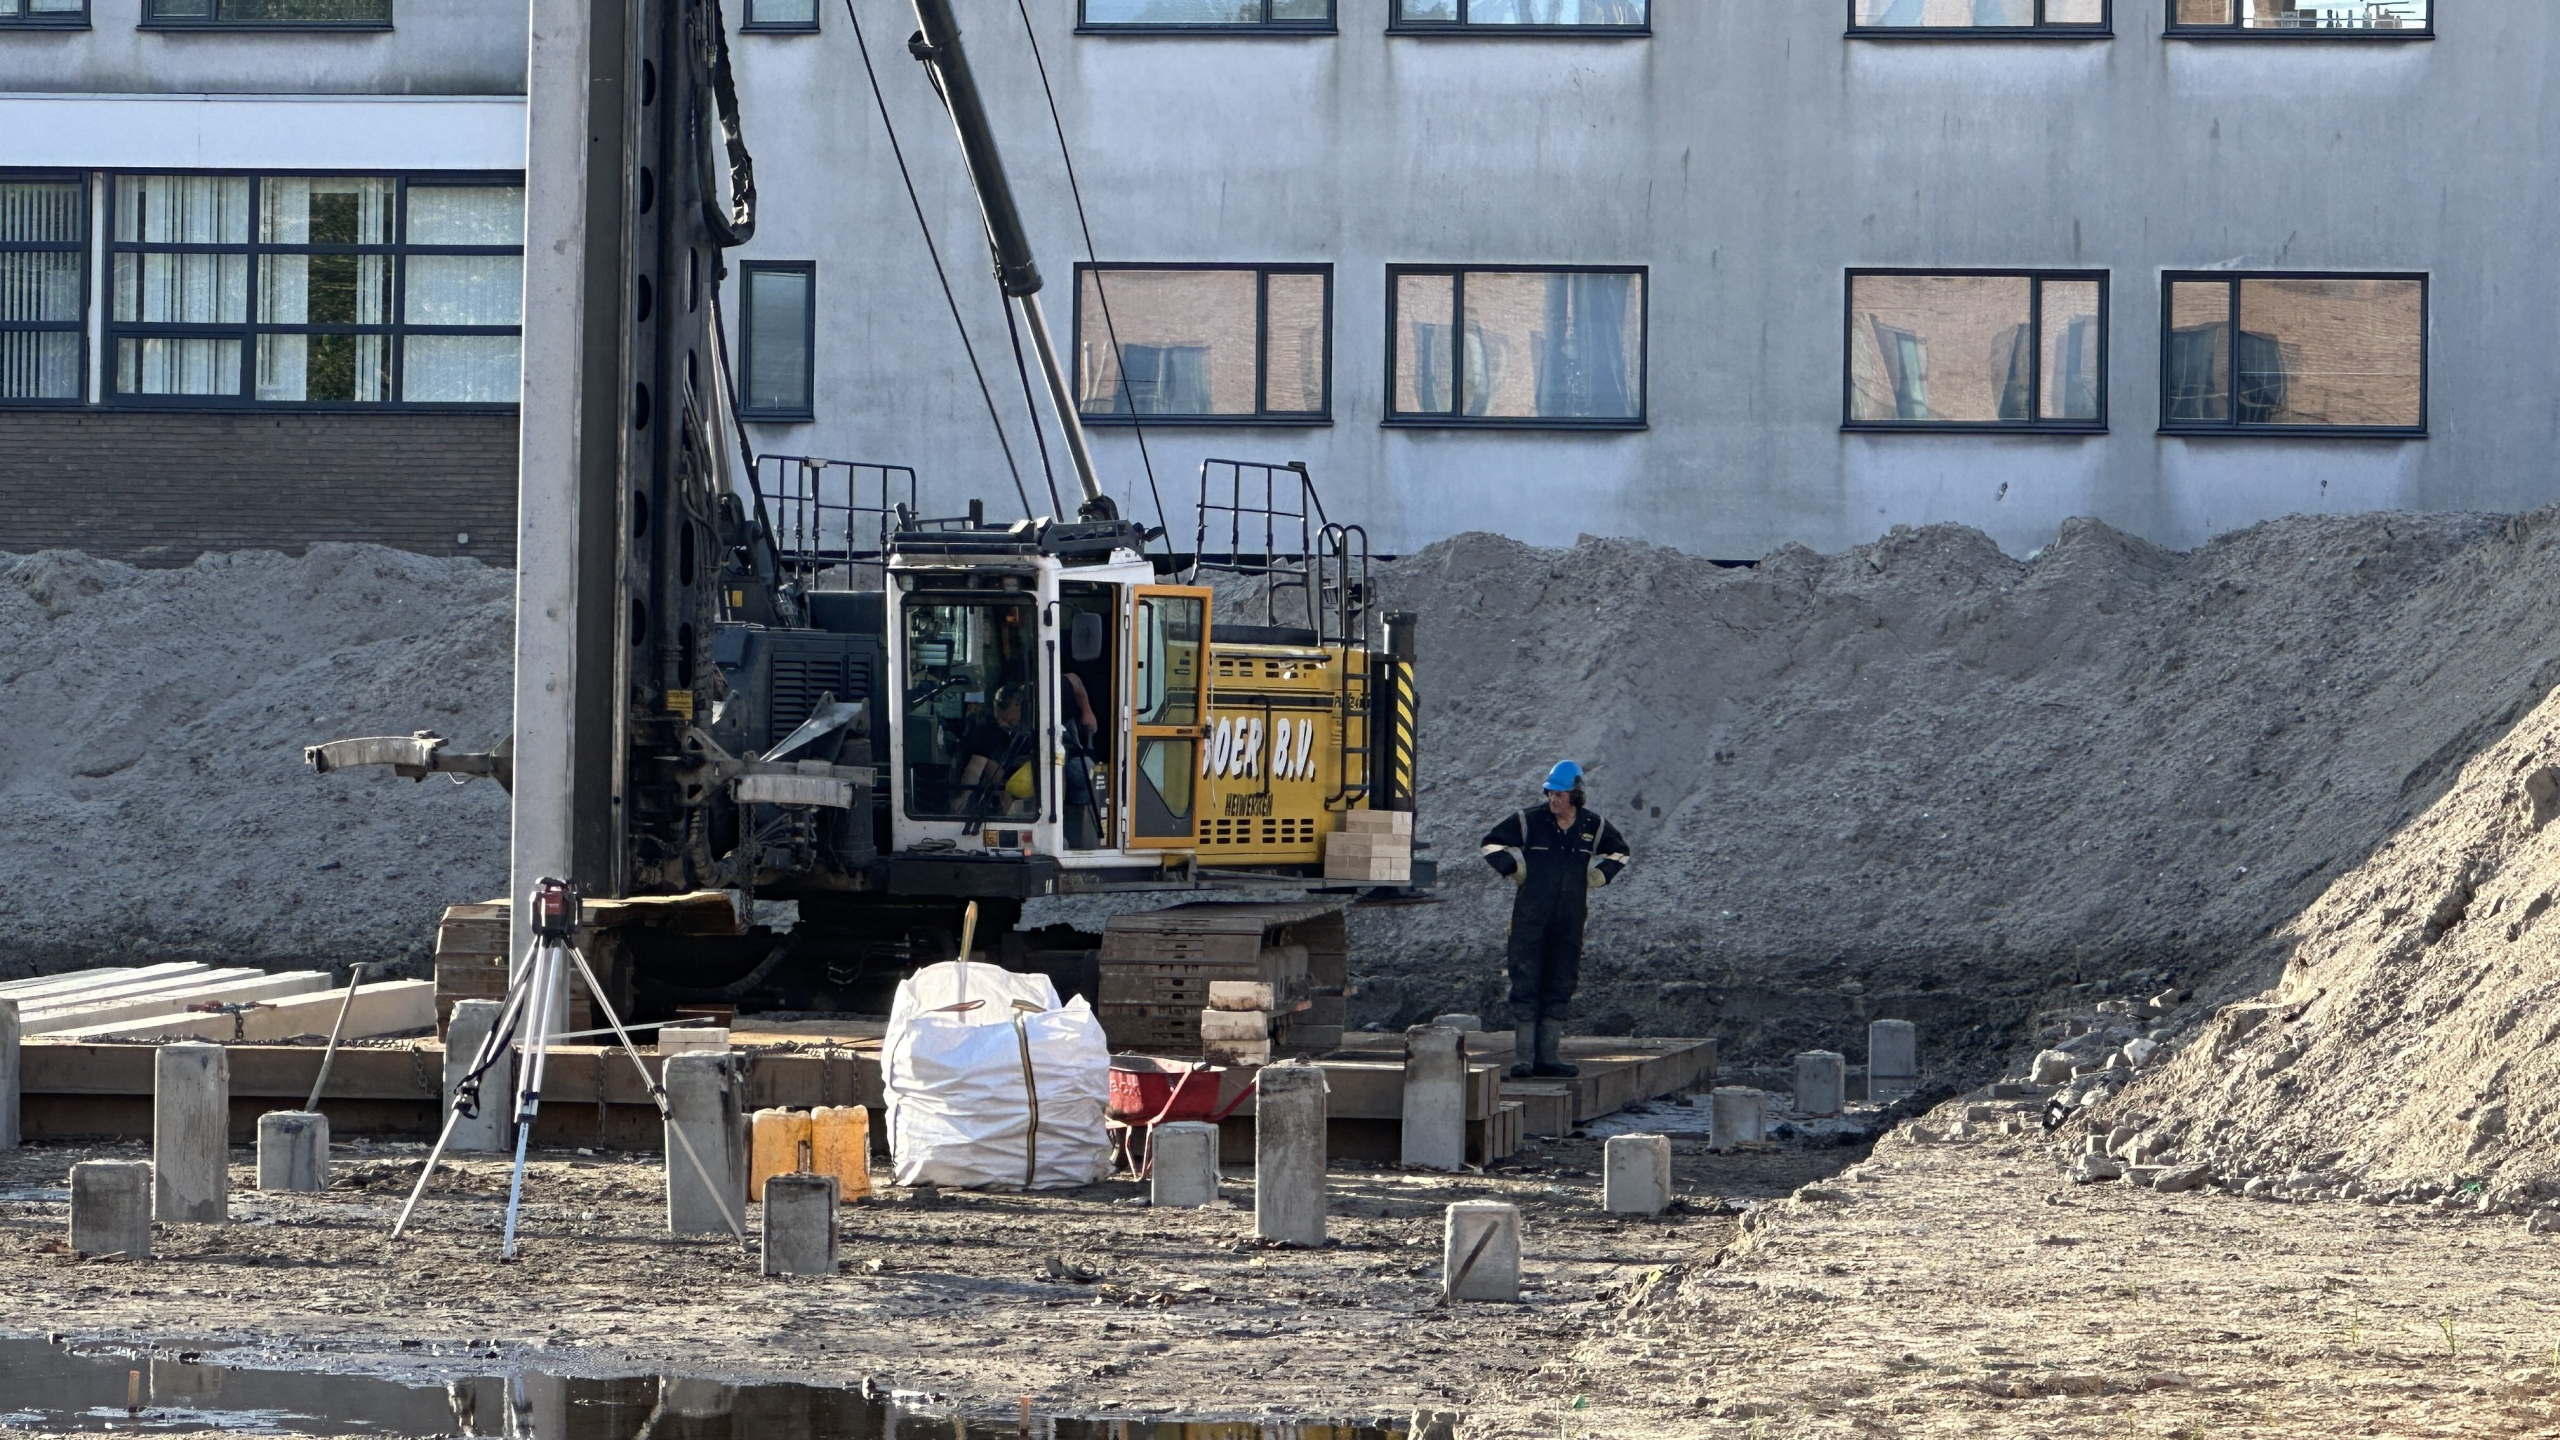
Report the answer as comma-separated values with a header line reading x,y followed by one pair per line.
x,y
959,1110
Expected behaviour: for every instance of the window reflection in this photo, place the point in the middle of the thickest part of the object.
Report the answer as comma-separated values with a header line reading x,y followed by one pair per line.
x,y
2017,349
2296,351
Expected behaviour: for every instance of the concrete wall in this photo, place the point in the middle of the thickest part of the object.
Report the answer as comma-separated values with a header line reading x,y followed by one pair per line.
x,y
1750,155
435,47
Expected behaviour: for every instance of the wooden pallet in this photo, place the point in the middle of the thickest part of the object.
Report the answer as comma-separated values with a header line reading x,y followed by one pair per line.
x,y
1160,961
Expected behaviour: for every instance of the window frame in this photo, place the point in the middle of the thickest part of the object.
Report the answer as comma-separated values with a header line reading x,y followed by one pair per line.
x,y
1263,416
51,20
2235,427
1397,24
87,249
218,21
1457,419
396,330
749,25
807,411
2176,29
2104,29
2037,279
1265,28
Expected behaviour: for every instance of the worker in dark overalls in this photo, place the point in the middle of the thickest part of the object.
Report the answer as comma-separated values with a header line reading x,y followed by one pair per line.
x,y
1557,854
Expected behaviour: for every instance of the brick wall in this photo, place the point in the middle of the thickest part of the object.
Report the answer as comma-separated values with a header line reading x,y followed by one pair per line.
x,y
160,488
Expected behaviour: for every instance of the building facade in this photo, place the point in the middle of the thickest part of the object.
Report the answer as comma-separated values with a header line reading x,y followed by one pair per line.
x,y
261,274
1722,274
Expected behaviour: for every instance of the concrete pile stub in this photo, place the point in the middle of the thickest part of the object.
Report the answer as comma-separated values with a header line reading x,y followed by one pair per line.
x,y
1822,1082
1435,1098
1289,1154
8,1074
706,1147
1480,1251
1736,1116
693,1040
470,1027
293,1150
1636,1174
1893,1060
191,1134
111,1208
1186,1159
800,1225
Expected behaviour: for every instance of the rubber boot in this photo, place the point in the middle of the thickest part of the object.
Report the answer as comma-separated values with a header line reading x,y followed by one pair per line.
x,y
1524,1047
1550,1063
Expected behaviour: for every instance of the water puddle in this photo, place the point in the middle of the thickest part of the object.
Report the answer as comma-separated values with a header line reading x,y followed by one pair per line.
x,y
101,1387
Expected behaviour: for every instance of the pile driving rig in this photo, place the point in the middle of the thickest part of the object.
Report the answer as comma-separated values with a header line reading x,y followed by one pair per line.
x,y
831,699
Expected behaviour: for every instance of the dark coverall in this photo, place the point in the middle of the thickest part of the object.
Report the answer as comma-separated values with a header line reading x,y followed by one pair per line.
x,y
1546,916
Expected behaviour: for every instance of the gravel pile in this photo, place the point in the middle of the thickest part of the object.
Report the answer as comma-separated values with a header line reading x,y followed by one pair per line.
x,y
1922,779
2407,1052
1918,779
153,799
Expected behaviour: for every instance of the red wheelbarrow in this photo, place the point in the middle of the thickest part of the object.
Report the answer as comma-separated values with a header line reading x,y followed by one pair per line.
x,y
1147,1092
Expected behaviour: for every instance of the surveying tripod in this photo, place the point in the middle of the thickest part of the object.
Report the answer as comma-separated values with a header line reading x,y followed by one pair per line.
x,y
539,987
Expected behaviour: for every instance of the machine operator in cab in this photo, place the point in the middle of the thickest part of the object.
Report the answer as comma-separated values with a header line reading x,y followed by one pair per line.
x,y
1557,854
996,775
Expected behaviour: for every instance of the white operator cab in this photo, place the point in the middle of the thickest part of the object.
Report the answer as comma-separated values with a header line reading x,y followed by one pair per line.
x,y
1046,707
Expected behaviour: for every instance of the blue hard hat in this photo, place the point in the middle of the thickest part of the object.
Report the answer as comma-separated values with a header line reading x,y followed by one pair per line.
x,y
1565,776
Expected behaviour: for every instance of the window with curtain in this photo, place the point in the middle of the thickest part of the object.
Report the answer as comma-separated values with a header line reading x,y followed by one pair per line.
x,y
777,331
315,290
1236,15
1501,15
1975,17
1980,349
57,14
1204,344
356,14
2309,19
44,283
2261,352
1517,346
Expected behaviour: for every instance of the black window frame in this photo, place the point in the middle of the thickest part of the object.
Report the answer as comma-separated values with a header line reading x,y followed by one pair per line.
x,y
807,410
54,20
2234,426
219,21
749,25
1263,416
2042,29
1397,24
1265,27
1457,419
2035,368
87,249
2234,30
396,329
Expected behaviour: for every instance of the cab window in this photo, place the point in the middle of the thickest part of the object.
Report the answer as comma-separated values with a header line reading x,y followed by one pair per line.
x,y
972,712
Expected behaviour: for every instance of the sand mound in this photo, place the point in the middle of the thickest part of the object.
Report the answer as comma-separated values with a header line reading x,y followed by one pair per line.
x,y
153,799
1923,779
2410,1040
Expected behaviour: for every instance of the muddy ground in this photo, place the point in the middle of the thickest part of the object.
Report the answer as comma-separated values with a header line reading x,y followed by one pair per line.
x,y
1964,1289
1971,1290
949,1294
